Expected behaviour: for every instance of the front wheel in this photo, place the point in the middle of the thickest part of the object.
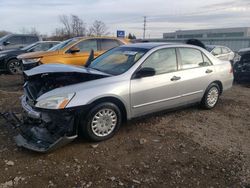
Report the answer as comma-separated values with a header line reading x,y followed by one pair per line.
x,y
101,122
14,67
211,96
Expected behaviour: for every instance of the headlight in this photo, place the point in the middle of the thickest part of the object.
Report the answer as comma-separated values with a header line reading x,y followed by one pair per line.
x,y
27,61
2,55
55,102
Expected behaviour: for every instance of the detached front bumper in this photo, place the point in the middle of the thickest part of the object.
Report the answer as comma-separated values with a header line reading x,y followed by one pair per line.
x,y
43,131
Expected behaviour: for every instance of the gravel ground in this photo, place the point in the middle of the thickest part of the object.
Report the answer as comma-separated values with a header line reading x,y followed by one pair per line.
x,y
185,148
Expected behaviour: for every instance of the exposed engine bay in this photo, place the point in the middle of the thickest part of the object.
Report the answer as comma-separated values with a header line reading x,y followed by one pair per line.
x,y
43,130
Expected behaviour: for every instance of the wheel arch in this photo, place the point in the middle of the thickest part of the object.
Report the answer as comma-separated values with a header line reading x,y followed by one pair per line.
x,y
9,59
219,84
114,100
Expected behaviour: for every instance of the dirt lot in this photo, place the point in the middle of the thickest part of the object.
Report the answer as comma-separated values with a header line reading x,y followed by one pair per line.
x,y
185,148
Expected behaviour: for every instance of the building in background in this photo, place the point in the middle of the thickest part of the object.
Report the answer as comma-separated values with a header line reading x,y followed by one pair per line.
x,y
234,38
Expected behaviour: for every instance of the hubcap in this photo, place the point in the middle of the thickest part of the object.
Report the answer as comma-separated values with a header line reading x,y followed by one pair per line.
x,y
104,122
14,67
212,96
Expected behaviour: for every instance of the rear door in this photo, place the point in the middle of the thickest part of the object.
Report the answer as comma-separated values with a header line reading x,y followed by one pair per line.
x,y
196,72
80,58
150,94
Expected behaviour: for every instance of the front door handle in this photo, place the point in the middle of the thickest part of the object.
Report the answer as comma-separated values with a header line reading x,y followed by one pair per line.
x,y
209,71
175,78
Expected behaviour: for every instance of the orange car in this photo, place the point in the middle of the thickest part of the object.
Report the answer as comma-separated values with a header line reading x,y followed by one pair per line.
x,y
73,51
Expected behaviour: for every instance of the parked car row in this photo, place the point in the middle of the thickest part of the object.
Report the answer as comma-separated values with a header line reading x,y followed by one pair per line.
x,y
8,58
73,51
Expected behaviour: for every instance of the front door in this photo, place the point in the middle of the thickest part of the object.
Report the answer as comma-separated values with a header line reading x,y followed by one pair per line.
x,y
150,94
80,58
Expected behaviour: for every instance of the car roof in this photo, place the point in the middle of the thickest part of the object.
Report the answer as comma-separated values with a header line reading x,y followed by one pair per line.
x,y
148,45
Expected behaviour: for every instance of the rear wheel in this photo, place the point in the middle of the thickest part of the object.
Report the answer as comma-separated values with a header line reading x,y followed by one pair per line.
x,y
102,122
211,96
13,66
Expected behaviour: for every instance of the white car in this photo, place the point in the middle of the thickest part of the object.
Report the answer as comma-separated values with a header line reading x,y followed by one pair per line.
x,y
221,52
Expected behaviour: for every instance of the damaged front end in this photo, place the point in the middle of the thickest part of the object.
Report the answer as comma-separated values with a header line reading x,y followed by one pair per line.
x,y
45,129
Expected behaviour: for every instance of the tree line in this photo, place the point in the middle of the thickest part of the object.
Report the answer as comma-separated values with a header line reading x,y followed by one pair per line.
x,y
71,26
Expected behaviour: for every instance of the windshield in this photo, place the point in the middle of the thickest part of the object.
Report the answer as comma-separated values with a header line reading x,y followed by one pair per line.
x,y
30,46
63,44
118,60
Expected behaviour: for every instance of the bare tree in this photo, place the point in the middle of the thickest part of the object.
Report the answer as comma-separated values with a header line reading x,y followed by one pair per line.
x,y
2,33
31,31
98,28
77,26
64,19
73,26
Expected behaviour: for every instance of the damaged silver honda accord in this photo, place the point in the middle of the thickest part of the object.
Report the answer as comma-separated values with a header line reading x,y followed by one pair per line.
x,y
60,101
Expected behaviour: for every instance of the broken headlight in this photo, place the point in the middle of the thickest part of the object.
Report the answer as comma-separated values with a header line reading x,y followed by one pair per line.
x,y
55,102
28,61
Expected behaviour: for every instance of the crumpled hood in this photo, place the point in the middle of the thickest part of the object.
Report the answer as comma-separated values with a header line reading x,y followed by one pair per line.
x,y
61,68
36,54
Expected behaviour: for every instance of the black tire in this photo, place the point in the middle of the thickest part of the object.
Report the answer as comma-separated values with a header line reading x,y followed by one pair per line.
x,y
13,66
206,103
86,127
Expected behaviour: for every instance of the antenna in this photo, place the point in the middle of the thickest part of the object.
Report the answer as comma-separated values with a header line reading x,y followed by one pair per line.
x,y
144,27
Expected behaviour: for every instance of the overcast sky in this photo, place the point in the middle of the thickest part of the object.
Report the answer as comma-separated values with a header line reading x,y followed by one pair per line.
x,y
162,15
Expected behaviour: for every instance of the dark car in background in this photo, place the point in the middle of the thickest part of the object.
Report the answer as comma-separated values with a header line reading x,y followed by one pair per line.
x,y
221,52
242,66
8,58
15,41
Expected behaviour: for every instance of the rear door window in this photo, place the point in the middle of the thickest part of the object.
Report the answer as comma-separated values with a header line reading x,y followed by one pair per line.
x,y
107,44
191,58
16,40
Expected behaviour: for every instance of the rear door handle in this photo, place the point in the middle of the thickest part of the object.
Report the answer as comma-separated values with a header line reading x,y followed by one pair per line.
x,y
209,71
175,78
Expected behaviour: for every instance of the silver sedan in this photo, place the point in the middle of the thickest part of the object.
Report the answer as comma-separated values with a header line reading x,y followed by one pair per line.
x,y
123,83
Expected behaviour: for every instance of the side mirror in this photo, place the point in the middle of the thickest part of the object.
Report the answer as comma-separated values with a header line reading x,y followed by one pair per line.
x,y
145,72
5,43
74,50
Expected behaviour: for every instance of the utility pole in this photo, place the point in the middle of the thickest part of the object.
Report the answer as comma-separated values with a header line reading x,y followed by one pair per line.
x,y
144,27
